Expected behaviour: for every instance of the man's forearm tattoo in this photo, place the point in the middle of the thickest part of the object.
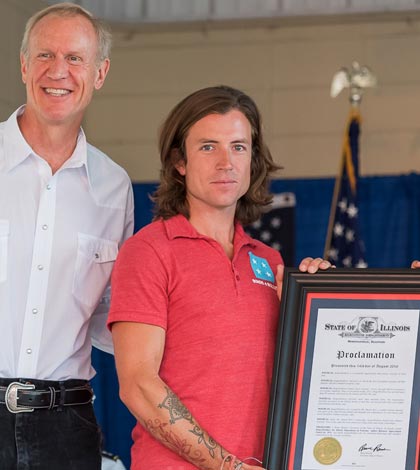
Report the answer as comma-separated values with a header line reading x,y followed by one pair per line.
x,y
210,443
162,432
176,409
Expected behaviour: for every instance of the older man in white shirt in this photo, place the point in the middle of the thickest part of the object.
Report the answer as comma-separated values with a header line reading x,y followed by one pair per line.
x,y
65,209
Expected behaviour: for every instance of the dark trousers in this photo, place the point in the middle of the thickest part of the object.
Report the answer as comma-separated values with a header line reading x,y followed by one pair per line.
x,y
66,438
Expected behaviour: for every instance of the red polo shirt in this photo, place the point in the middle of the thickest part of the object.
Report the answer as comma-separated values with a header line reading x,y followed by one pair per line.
x,y
220,317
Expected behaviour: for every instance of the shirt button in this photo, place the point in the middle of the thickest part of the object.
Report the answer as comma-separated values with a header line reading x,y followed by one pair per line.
x,y
40,267
44,227
96,255
48,187
238,278
29,351
34,311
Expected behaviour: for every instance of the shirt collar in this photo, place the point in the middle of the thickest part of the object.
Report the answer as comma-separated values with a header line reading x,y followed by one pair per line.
x,y
241,238
17,148
79,155
179,227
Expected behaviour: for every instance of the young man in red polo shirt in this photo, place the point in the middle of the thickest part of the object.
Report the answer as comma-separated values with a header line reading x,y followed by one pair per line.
x,y
195,300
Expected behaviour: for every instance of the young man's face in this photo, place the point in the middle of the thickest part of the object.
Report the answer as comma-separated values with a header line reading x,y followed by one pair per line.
x,y
61,70
218,162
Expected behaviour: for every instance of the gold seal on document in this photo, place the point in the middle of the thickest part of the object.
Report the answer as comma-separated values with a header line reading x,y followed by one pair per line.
x,y
327,451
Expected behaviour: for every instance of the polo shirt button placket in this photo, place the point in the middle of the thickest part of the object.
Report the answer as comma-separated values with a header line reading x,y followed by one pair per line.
x,y
235,273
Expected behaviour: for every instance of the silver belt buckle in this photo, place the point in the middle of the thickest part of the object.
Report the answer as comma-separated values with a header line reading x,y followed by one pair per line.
x,y
11,397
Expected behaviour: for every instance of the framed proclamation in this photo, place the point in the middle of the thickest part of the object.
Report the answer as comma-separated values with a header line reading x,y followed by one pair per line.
x,y
346,380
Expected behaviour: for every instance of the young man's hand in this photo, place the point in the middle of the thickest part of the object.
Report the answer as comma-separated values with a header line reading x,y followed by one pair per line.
x,y
307,265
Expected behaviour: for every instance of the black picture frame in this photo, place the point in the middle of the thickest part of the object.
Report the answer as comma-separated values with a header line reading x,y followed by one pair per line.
x,y
286,420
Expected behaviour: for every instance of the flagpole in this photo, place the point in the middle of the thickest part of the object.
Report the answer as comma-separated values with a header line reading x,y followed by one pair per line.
x,y
343,244
333,209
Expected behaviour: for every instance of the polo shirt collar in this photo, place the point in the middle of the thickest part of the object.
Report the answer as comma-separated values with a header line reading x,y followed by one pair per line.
x,y
179,227
241,238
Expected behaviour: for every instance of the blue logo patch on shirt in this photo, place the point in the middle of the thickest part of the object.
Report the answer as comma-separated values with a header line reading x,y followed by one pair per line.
x,y
261,268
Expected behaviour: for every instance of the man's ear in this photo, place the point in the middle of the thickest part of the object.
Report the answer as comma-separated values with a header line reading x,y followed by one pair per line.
x,y
23,68
178,161
101,74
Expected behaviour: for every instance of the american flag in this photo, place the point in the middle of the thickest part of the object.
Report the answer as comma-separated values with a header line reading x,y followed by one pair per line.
x,y
344,246
276,227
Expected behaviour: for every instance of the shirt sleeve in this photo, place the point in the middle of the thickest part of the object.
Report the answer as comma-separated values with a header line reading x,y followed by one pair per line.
x,y
140,282
100,335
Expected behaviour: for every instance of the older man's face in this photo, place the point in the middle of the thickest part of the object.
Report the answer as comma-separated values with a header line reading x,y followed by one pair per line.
x,y
61,70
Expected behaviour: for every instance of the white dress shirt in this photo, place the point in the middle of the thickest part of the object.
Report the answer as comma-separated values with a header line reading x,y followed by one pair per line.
x,y
59,237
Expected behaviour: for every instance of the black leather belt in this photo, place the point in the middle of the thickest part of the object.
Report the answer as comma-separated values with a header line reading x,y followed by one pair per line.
x,y
22,397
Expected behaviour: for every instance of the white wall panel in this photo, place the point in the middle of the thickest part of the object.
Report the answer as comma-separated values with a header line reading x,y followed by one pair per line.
x,y
177,9
385,4
144,11
245,8
134,8
315,6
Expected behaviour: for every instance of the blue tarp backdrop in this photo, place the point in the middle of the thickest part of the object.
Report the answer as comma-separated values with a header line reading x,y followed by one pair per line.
x,y
390,227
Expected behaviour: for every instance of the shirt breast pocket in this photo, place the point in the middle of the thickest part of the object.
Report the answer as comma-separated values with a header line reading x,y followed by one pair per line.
x,y
94,262
4,242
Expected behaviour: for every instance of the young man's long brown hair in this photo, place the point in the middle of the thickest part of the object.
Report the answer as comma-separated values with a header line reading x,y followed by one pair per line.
x,y
170,197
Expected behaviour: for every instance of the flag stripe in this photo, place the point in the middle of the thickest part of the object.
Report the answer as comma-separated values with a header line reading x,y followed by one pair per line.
x,y
344,246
